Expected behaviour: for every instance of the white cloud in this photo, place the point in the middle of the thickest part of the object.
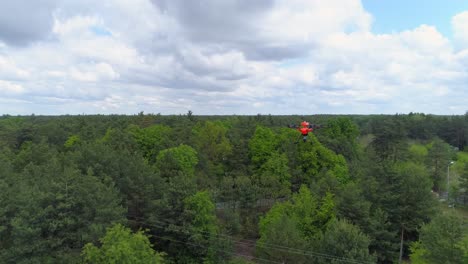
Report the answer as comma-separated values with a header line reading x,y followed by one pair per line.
x,y
9,88
460,29
93,73
306,20
227,57
9,69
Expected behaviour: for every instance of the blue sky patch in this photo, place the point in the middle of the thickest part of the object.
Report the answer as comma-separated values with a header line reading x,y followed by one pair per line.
x,y
399,15
100,31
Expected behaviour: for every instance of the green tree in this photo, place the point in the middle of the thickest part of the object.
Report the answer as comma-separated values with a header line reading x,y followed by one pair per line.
x,y
8,192
402,197
441,241
306,219
389,139
262,145
344,240
201,225
57,210
414,203
210,139
439,157
72,141
352,205
119,245
340,135
463,183
384,237
417,253
273,177
463,246
137,182
284,231
314,160
214,148
418,153
177,159
151,140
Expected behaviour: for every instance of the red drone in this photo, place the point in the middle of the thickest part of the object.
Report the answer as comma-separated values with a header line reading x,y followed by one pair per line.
x,y
305,128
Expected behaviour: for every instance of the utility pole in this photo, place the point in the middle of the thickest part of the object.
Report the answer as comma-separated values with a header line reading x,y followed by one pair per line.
x,y
401,243
448,182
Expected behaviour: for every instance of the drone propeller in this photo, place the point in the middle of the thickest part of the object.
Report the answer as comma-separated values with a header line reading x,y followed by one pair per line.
x,y
315,126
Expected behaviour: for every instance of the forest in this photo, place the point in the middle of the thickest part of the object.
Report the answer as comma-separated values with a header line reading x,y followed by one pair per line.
x,y
151,188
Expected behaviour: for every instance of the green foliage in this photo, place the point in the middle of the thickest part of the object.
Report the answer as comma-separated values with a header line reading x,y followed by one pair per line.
x,y
119,245
307,225
384,237
414,202
214,149
352,205
443,240
273,177
201,225
262,145
344,240
57,209
418,153
151,140
401,202
440,154
417,253
200,210
314,158
463,182
282,230
210,139
304,217
462,245
72,141
341,136
30,153
177,159
389,142
64,179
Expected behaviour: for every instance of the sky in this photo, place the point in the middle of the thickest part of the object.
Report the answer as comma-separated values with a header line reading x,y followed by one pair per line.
x,y
233,57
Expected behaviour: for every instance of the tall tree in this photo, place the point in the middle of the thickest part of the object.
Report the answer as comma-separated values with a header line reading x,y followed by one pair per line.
x,y
463,183
273,177
151,140
201,225
283,241
441,240
344,240
57,210
439,157
409,202
308,217
340,134
389,142
262,145
119,245
314,159
210,139
214,148
177,159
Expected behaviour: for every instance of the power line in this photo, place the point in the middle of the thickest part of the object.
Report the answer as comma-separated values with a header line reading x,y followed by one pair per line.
x,y
257,243
220,250
270,246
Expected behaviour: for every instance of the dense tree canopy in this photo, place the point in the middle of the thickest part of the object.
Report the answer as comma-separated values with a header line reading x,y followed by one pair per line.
x,y
232,189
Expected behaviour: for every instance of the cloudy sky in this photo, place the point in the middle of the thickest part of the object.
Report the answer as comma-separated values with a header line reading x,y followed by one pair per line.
x,y
233,56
